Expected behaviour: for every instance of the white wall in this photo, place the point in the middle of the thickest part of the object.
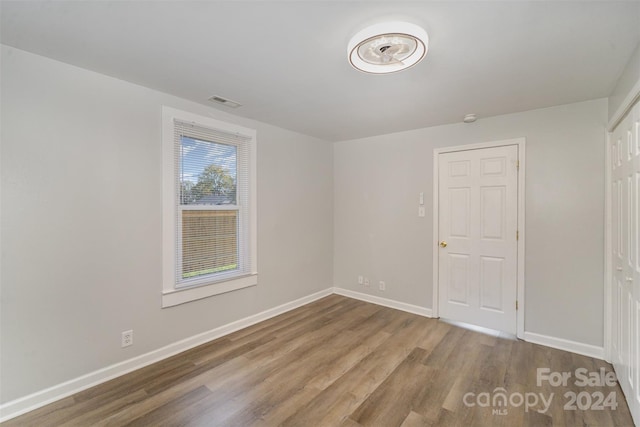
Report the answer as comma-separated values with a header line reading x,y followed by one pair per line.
x,y
81,219
378,233
629,78
81,223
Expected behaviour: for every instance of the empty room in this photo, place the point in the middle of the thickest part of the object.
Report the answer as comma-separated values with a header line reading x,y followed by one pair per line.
x,y
319,213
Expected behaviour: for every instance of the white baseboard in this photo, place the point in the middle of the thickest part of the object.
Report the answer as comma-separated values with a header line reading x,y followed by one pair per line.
x,y
409,308
36,400
548,341
567,345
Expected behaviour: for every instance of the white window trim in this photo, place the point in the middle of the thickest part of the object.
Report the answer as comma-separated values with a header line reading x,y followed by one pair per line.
x,y
171,294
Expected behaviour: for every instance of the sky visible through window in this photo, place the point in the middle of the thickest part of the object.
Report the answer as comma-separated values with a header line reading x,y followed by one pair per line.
x,y
198,154
207,171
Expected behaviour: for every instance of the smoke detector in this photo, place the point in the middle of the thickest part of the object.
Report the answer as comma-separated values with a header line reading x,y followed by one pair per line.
x,y
387,47
470,118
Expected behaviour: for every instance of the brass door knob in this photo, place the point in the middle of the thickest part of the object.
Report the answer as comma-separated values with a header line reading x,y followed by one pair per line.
x,y
443,244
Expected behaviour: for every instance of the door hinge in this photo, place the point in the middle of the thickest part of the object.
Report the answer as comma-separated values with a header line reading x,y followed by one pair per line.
x,y
517,235
516,304
518,164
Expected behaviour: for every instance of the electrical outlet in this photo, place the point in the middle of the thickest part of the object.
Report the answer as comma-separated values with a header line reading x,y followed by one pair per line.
x,y
382,286
360,280
366,281
127,338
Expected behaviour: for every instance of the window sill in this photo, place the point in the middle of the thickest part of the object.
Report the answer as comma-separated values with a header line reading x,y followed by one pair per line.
x,y
181,296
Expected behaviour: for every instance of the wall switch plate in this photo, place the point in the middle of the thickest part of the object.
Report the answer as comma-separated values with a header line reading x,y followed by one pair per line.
x,y
421,211
127,338
360,280
382,286
421,198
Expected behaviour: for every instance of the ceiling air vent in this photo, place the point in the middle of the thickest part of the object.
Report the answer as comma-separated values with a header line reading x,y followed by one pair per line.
x,y
226,102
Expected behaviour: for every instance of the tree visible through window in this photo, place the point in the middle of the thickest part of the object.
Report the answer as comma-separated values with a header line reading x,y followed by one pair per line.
x,y
208,178
209,242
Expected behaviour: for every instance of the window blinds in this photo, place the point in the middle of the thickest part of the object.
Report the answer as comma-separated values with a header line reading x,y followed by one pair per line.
x,y
212,204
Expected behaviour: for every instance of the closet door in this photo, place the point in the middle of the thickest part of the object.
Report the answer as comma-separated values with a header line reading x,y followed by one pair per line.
x,y
625,281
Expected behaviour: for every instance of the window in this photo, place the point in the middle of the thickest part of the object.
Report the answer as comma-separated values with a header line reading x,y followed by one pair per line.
x,y
209,223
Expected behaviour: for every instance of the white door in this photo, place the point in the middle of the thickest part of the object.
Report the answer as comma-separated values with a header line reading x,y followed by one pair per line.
x,y
478,218
625,245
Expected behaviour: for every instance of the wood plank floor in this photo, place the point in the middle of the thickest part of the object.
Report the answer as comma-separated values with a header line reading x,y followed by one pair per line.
x,y
340,362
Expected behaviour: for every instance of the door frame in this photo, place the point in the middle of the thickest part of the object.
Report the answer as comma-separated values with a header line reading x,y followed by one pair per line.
x,y
608,259
521,143
632,98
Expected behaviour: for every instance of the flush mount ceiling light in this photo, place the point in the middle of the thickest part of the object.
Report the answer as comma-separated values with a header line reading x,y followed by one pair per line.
x,y
388,47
